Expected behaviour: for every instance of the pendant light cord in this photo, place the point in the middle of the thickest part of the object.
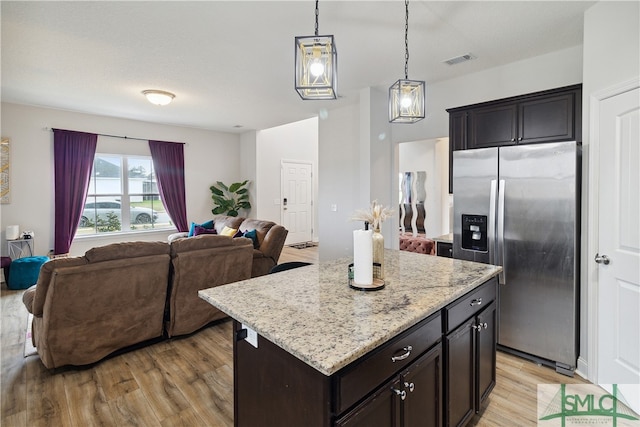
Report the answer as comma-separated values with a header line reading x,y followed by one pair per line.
x,y
317,13
406,38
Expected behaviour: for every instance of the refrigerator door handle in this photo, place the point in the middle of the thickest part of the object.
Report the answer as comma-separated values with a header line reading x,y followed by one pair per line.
x,y
502,277
491,229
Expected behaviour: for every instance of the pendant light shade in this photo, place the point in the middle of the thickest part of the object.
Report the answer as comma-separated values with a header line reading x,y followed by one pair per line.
x,y
406,101
406,97
316,65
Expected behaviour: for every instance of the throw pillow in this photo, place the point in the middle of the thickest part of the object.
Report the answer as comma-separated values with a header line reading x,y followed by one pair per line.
x,y
201,230
207,224
228,231
251,234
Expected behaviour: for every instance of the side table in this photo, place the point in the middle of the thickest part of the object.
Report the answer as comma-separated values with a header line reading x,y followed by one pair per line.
x,y
20,248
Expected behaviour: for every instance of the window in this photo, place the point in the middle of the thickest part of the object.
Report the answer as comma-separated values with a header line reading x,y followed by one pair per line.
x,y
120,184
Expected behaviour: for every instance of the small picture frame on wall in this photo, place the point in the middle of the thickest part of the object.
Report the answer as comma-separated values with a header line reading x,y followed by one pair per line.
x,y
5,194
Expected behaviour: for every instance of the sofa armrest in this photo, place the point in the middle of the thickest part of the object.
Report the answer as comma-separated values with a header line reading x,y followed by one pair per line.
x,y
178,235
28,297
273,242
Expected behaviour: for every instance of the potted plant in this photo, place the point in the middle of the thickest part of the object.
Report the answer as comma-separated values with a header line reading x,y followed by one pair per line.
x,y
229,200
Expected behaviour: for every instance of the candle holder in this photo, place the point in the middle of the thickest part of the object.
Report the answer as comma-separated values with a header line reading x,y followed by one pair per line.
x,y
377,284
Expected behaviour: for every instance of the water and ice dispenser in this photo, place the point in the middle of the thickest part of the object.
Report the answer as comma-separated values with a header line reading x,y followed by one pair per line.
x,y
474,232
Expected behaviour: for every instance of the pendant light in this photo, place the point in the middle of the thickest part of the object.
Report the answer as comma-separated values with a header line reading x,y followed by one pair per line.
x,y
316,64
406,97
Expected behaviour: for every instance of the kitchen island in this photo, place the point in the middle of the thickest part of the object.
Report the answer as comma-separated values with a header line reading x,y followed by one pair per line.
x,y
309,350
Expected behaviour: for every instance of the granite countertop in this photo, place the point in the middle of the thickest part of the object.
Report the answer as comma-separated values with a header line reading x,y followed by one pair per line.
x,y
445,238
312,313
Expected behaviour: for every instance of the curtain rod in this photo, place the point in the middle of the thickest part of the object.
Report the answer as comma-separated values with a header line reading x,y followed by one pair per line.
x,y
113,136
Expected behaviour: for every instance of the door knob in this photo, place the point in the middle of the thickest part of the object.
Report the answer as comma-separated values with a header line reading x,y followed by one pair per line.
x,y
602,259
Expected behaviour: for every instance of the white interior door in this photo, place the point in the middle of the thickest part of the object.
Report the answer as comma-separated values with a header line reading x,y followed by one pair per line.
x,y
618,329
297,201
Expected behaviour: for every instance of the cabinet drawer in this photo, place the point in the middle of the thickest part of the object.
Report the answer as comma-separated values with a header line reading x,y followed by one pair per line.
x,y
470,304
355,381
444,249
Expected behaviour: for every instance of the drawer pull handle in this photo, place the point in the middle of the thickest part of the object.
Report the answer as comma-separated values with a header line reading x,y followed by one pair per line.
x,y
476,301
407,352
402,394
410,386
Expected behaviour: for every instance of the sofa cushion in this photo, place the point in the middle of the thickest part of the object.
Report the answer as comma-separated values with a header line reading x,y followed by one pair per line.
x,y
261,227
34,298
222,221
203,241
206,224
126,250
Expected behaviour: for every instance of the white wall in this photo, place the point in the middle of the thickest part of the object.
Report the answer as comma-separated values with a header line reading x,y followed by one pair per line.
x,y
431,156
611,57
338,181
343,133
209,156
294,141
248,169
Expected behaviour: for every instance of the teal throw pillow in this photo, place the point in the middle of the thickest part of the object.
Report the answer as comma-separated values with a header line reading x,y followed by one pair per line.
x,y
251,234
207,224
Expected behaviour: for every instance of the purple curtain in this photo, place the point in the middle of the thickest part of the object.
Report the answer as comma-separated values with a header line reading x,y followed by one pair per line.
x,y
73,154
168,162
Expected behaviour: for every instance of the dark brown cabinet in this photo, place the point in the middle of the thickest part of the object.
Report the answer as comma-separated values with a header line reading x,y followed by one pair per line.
x,y
444,364
548,116
444,249
412,398
493,126
457,137
470,354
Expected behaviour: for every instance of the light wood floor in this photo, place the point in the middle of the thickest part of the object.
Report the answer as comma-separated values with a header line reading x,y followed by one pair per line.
x,y
183,382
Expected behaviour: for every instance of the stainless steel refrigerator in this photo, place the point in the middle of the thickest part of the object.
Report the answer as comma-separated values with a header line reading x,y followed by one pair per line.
x,y
519,207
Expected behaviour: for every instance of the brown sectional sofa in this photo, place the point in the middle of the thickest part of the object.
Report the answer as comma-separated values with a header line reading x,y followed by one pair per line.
x,y
271,238
85,308
201,263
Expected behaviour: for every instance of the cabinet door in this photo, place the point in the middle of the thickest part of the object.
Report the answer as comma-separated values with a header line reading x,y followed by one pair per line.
x,y
457,139
460,381
381,409
493,126
547,119
486,338
422,382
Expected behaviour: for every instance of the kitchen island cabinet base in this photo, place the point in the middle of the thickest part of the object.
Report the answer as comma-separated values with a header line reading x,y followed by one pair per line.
x,y
411,377
274,388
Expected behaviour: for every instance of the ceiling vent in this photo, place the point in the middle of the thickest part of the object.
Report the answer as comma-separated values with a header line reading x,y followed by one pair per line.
x,y
459,59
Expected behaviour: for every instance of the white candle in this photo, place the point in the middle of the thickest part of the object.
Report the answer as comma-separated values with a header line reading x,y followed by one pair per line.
x,y
362,257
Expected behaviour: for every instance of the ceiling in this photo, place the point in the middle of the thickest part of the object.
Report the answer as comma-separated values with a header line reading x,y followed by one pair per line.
x,y
230,63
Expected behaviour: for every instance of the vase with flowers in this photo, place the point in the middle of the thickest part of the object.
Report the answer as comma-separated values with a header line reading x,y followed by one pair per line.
x,y
374,217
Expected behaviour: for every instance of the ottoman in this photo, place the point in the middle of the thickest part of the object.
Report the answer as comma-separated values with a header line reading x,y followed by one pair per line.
x,y
25,271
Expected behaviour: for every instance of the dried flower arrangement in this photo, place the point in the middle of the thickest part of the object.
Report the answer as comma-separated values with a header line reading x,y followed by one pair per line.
x,y
375,215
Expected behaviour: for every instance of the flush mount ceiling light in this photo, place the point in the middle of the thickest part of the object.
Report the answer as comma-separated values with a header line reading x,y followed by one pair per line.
x,y
406,97
158,97
316,65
